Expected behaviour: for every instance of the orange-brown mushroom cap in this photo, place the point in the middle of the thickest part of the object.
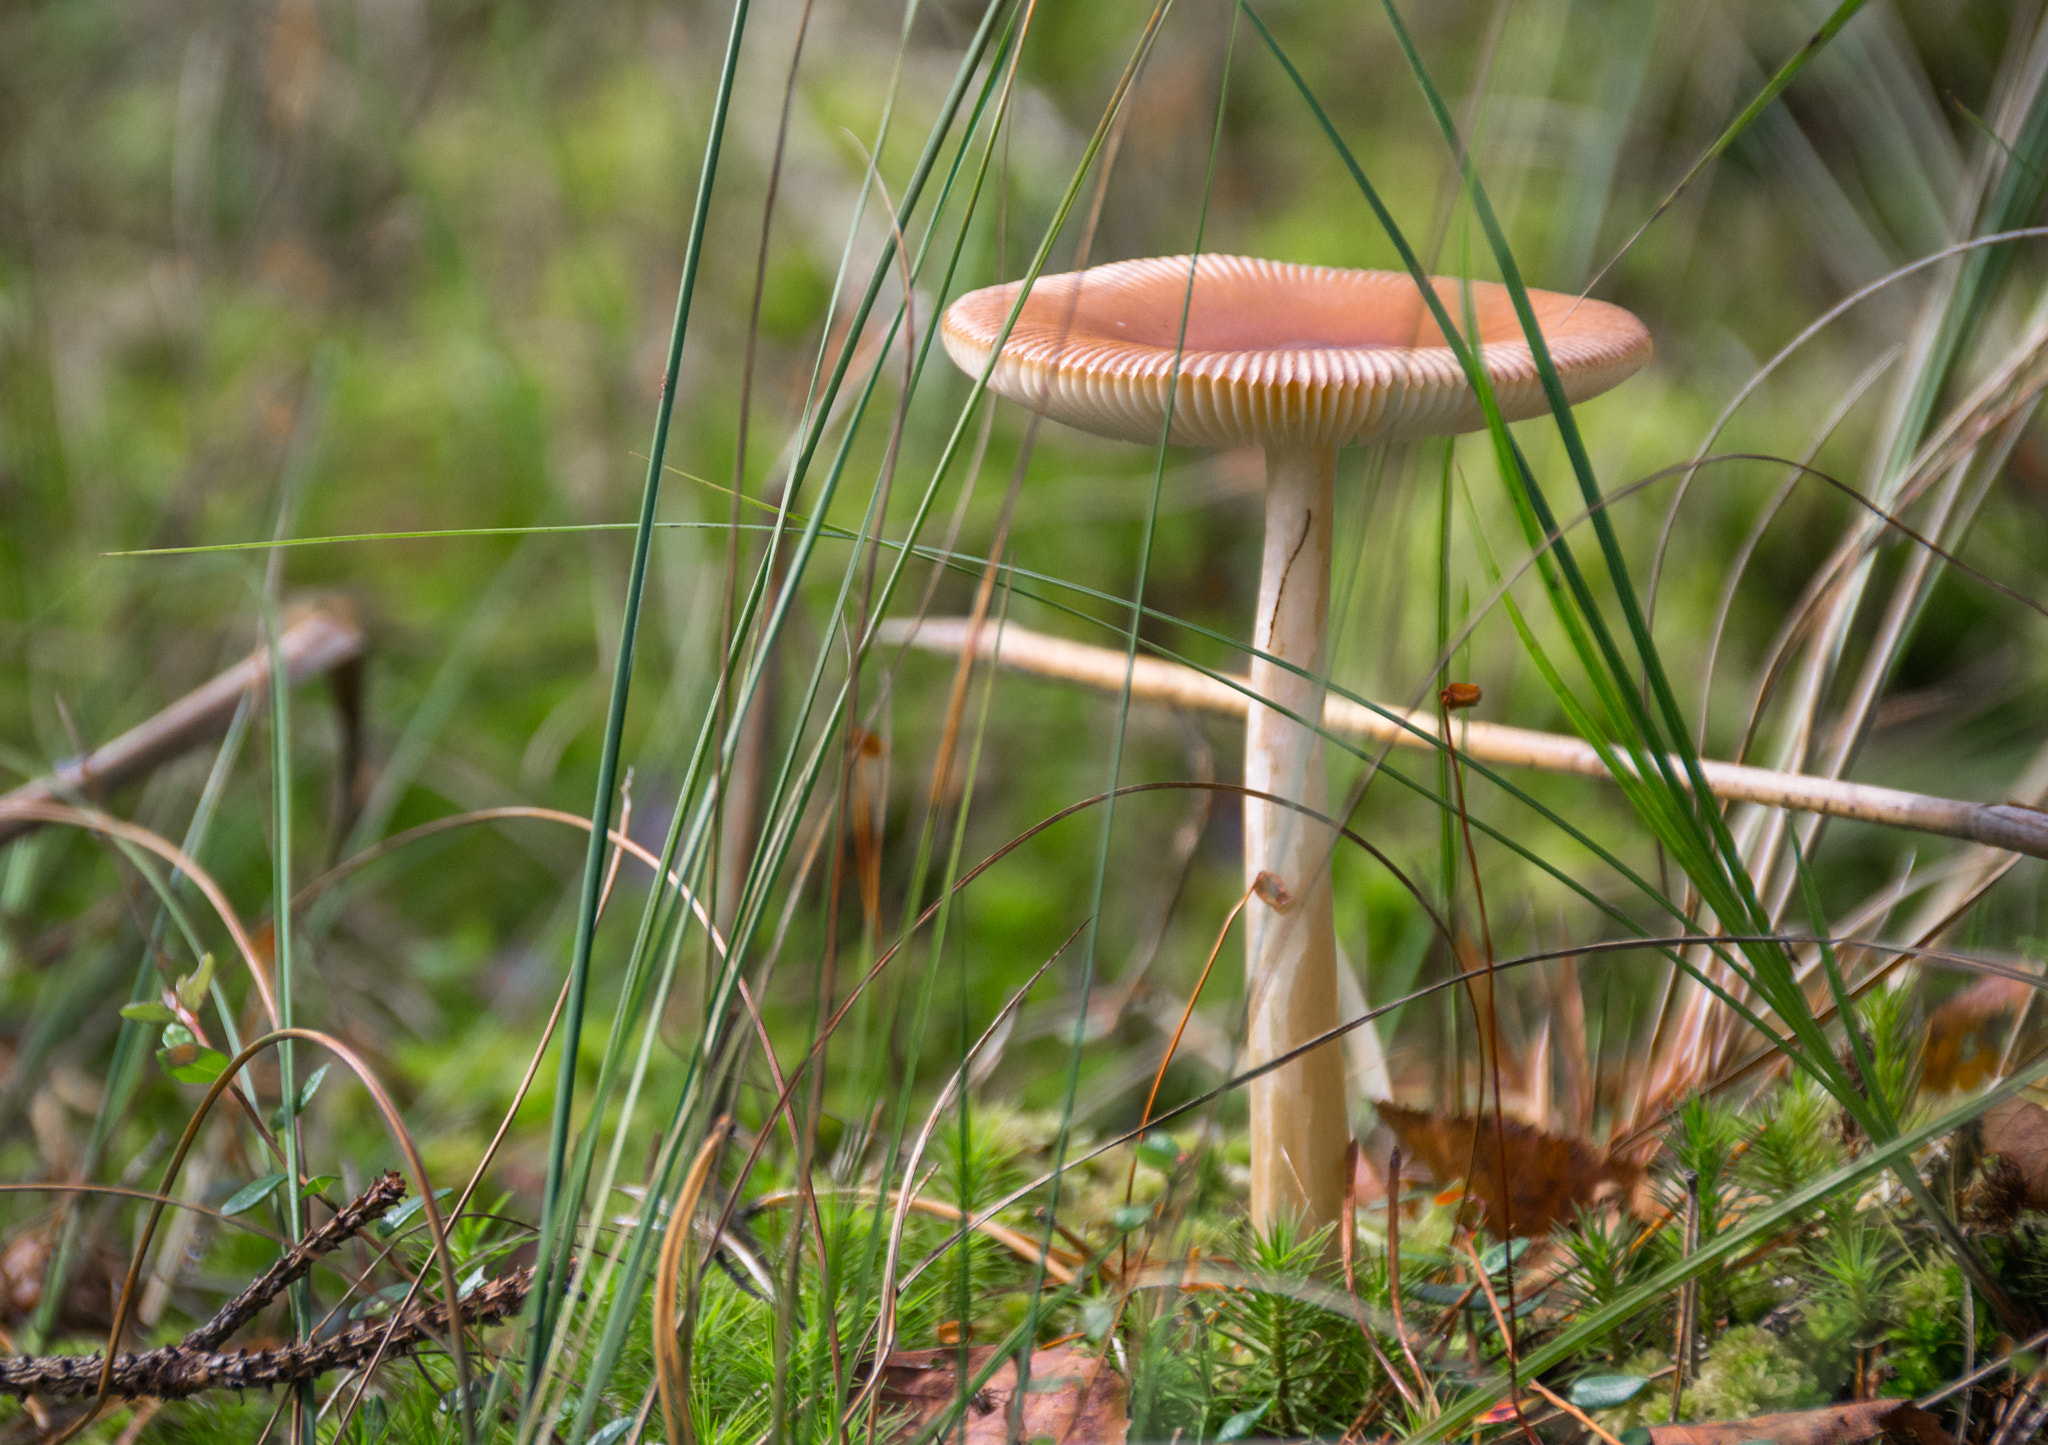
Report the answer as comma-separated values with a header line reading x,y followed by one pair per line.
x,y
1275,353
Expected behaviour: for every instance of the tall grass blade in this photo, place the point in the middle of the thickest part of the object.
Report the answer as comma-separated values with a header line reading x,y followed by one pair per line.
x,y
551,1262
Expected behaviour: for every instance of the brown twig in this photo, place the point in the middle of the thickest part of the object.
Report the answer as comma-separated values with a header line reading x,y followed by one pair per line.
x,y
1347,1235
196,1364
1507,1334
1572,1410
2012,826
372,1203
1394,1274
1686,1325
176,1372
324,639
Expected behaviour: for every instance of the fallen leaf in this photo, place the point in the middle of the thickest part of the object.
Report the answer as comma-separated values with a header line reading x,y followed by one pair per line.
x,y
88,1299
1550,1176
1831,1425
2017,1131
1961,1033
1072,1398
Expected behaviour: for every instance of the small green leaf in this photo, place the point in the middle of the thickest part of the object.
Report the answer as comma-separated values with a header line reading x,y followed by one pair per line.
x,y
280,1116
177,1036
149,1013
191,1064
613,1432
1158,1151
252,1194
1604,1392
1130,1217
1240,1425
1444,1294
1097,1316
193,986
1498,1258
396,1217
319,1184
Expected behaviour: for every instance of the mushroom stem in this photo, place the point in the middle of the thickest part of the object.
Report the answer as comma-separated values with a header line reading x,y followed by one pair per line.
x,y
1298,1117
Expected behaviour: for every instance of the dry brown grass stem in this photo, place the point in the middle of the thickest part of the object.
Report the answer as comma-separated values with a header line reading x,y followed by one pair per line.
x,y
1585,1420
2014,827
668,1347
92,820
1018,1244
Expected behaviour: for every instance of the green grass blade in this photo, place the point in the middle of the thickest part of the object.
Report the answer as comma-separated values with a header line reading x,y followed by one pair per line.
x,y
550,1264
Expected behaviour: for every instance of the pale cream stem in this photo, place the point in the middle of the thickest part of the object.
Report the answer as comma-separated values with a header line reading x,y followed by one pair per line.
x,y
1298,1118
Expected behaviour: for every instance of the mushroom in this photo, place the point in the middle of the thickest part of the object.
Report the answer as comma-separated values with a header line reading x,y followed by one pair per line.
x,y
1297,360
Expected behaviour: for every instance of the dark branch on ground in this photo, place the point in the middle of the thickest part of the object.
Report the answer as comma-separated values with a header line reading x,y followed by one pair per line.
x,y
196,1363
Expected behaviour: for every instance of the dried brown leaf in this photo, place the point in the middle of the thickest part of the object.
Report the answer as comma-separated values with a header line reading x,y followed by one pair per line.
x,y
1072,1398
1832,1425
1962,1033
88,1304
1549,1176
2016,1130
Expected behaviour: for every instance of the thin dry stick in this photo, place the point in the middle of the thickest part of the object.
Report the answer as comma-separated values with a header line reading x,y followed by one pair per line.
x,y
1020,1245
2024,1418
1572,1410
93,821
1688,1298
1347,1241
1394,1274
506,813
324,639
1264,880
668,1348
1507,1335
2015,827
145,1412
1984,1372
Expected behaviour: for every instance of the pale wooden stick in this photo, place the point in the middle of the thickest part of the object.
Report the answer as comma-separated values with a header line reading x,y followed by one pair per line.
x,y
322,639
2012,826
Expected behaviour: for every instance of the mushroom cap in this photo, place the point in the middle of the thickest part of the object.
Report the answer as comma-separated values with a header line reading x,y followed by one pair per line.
x,y
1276,353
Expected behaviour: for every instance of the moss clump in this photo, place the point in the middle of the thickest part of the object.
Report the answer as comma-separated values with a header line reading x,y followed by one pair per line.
x,y
1750,1371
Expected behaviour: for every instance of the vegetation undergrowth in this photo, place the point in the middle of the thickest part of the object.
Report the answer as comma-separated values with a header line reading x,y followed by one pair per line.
x,y
786,1023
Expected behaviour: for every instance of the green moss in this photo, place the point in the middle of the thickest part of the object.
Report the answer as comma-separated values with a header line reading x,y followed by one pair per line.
x,y
1750,1371
1925,1345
